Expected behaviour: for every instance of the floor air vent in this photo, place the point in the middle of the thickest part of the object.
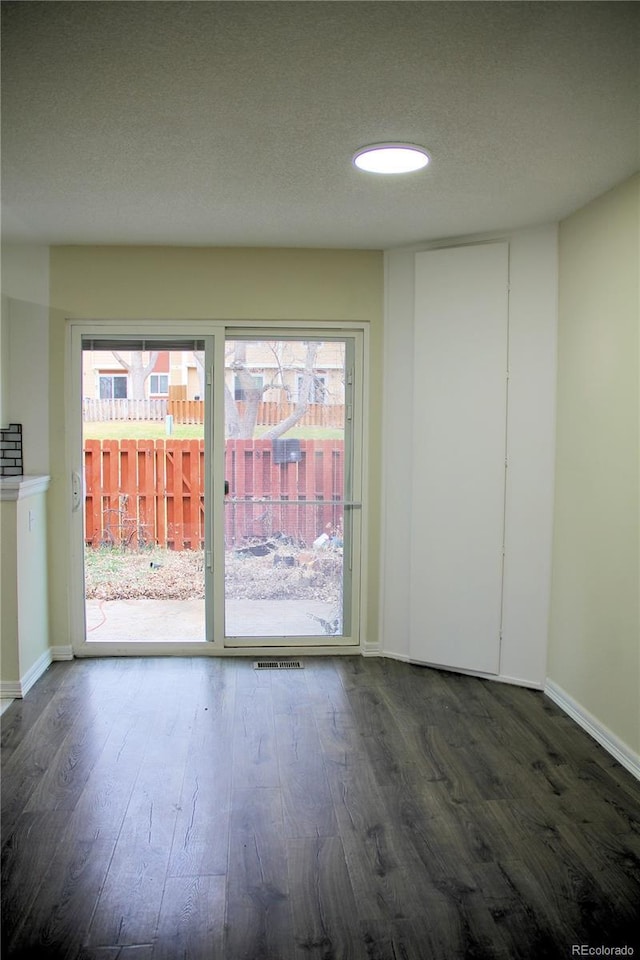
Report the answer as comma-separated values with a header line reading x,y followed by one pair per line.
x,y
278,665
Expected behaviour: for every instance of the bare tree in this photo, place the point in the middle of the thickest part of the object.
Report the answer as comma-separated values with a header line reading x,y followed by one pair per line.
x,y
241,416
138,371
305,395
198,356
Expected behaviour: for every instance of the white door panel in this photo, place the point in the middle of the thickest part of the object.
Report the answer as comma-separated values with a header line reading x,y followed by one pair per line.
x,y
458,475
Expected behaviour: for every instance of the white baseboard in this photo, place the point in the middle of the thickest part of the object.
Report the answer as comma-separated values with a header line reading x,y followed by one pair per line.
x,y
390,655
35,672
64,652
495,677
370,650
20,688
12,689
618,749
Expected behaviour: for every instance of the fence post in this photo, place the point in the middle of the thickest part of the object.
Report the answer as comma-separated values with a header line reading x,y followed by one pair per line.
x,y
308,524
174,519
129,491
93,492
147,525
160,495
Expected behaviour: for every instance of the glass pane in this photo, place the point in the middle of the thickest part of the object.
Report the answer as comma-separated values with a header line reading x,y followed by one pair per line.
x,y
144,495
285,465
106,388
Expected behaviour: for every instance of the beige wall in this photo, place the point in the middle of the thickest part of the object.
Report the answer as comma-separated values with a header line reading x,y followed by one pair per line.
x,y
129,283
4,359
24,349
594,637
24,378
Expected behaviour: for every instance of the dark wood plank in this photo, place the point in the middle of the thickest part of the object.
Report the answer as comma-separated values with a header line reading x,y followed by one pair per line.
x,y
390,940
56,925
325,691
382,736
614,897
255,762
324,905
201,838
103,803
70,768
479,829
386,873
447,763
26,855
138,951
308,808
129,904
17,721
170,807
34,755
191,924
258,913
340,739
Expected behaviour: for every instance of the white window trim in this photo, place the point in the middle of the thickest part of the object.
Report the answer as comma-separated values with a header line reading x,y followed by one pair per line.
x,y
158,393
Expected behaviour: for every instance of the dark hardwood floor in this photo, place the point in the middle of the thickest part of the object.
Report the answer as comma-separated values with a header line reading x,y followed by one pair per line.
x,y
197,808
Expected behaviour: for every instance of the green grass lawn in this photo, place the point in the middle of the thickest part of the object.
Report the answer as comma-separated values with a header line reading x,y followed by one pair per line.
x,y
154,430
139,430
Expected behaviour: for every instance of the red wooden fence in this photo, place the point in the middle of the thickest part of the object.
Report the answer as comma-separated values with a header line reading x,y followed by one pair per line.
x,y
145,492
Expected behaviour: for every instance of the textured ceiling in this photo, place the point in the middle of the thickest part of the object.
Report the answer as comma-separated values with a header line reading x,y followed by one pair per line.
x,y
234,123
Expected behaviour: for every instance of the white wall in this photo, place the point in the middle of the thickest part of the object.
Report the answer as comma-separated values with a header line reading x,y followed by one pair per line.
x,y
24,356
33,580
530,445
533,312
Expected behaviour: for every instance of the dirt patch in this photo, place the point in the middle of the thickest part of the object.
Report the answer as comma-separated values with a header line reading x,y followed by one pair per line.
x,y
271,577
152,575
179,575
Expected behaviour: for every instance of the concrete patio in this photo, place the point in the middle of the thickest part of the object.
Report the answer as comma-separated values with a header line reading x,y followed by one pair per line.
x,y
182,621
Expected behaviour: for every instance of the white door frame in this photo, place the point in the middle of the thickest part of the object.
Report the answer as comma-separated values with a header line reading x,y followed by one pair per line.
x,y
187,330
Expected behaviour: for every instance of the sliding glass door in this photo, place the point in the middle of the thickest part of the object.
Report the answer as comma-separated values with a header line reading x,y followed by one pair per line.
x,y
216,486
145,463
289,509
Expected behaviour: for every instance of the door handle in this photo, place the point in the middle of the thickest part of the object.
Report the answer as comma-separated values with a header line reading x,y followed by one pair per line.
x,y
76,491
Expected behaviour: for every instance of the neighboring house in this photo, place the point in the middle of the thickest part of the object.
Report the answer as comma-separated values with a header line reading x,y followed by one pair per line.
x,y
277,369
105,378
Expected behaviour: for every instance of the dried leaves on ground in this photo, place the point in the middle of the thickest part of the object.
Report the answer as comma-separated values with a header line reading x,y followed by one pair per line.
x,y
113,574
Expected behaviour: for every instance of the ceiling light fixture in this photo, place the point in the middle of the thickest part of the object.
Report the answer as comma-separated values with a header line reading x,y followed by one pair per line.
x,y
391,158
